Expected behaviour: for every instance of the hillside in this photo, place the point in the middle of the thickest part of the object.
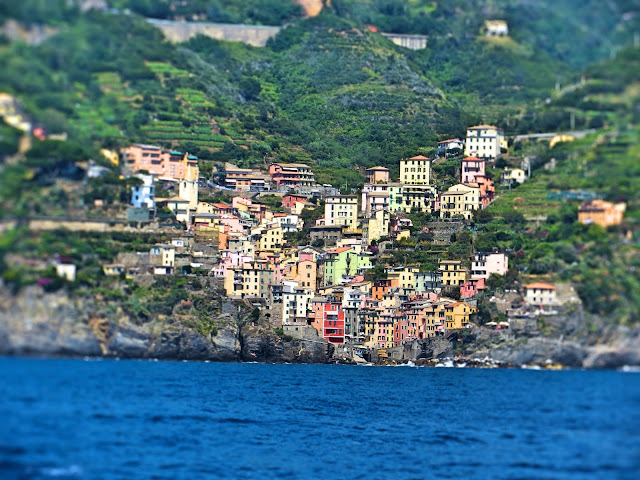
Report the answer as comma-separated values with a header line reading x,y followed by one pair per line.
x,y
329,92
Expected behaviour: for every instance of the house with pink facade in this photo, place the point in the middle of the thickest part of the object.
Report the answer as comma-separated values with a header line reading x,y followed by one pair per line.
x,y
159,162
473,173
472,287
484,264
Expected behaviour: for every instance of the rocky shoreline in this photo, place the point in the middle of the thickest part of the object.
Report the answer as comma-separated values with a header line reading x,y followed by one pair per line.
x,y
35,323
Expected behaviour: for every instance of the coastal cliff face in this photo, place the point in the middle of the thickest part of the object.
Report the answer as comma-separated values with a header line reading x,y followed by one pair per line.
x,y
37,323
33,322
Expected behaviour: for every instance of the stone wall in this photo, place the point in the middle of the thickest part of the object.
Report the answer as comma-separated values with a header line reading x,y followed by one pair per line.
x,y
177,32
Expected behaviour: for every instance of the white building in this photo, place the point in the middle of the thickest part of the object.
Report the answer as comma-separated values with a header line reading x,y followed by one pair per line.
x,y
484,264
144,195
496,28
296,302
484,141
540,294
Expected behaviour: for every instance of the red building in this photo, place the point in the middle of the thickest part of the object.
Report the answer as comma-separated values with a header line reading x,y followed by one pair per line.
x,y
328,319
289,201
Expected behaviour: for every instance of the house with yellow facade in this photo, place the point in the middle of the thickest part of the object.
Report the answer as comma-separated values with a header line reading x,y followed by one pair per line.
x,y
457,315
341,210
459,201
415,170
453,272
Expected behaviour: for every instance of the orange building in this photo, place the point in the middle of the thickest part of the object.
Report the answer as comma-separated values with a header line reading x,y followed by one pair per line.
x,y
159,162
601,213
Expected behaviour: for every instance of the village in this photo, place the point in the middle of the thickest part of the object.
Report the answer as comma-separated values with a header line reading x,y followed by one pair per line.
x,y
336,286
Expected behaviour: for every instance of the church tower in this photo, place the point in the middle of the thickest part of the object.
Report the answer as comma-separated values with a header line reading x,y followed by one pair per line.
x,y
189,184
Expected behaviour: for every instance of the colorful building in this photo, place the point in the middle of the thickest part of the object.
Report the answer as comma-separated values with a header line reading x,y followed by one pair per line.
x,y
601,213
415,170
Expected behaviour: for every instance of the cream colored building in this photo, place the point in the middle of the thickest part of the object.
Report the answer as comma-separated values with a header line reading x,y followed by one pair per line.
x,y
459,201
540,294
415,171
378,225
406,277
341,210
484,141
509,176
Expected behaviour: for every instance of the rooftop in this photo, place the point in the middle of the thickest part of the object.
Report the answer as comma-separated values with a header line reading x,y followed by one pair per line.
x,y
540,286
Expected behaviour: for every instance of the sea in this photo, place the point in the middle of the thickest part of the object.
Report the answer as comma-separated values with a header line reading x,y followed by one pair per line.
x,y
134,419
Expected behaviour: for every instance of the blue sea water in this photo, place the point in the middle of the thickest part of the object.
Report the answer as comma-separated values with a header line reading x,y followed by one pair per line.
x,y
108,419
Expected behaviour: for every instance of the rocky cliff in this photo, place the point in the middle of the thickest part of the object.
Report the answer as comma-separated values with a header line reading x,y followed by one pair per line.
x,y
37,323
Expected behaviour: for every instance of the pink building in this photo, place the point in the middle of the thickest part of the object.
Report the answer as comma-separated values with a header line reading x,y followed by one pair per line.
x,y
230,259
473,174
471,288
484,264
159,162
471,168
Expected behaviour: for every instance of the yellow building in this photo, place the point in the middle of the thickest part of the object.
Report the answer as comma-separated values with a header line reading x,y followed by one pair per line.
x,y
459,201
268,237
415,171
406,277
457,315
252,280
509,176
453,273
341,210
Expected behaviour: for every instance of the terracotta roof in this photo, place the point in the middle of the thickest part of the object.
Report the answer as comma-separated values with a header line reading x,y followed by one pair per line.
x,y
472,159
540,286
419,157
339,250
450,140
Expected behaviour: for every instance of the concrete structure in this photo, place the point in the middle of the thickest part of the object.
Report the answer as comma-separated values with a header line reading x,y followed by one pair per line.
x,y
459,201
457,315
163,259
412,42
341,210
419,198
601,213
377,175
177,32
542,294
415,170
144,195
296,302
245,179
327,316
484,141
66,271
188,189
484,264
